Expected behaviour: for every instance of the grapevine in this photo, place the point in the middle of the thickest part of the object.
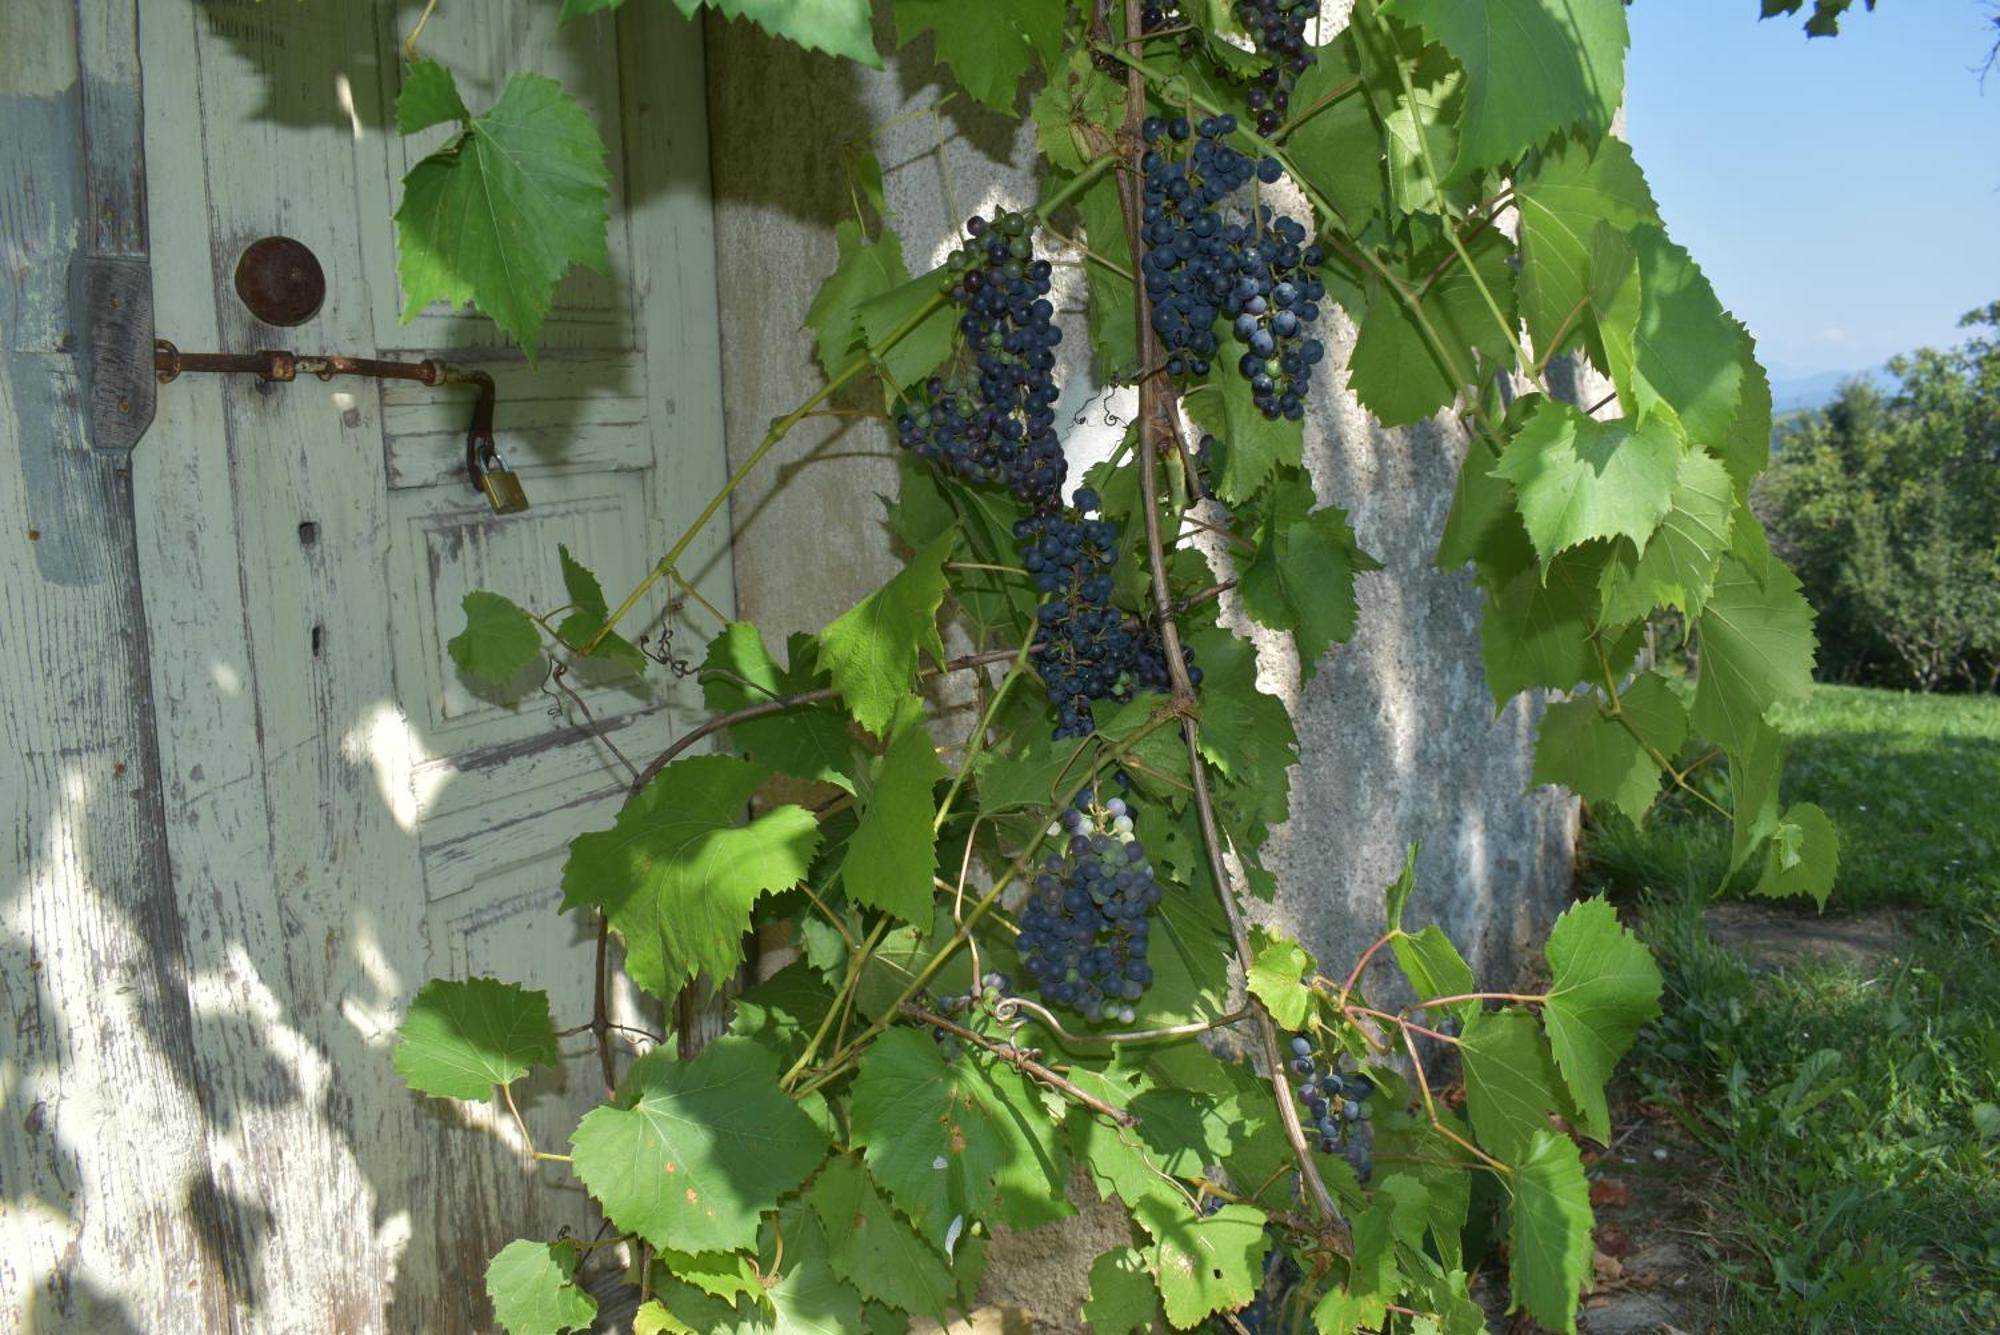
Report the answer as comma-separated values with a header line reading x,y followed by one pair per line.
x,y
1023,937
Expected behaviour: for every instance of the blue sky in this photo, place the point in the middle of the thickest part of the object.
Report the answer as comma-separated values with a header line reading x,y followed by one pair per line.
x,y
1842,194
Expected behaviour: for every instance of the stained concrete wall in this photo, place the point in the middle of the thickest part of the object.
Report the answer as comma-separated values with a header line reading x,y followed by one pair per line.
x,y
1400,742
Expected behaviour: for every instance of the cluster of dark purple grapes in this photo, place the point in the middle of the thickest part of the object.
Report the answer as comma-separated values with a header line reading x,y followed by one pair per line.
x,y
1084,928
996,422
1205,260
1089,650
1336,1104
1277,29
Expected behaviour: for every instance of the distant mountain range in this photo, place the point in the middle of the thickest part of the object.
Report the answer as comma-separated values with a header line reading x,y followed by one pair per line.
x,y
1791,393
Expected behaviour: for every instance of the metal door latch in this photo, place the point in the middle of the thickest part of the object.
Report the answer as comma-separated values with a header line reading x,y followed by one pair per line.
x,y
485,469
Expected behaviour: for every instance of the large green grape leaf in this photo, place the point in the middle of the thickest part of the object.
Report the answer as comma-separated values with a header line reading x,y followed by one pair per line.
x,y
1337,148
704,1149
809,742
1756,649
1532,68
464,1036
429,97
1550,1261
499,639
1433,966
1803,857
1122,1296
1562,198
989,47
956,1140
1302,580
872,1248
499,214
1688,351
871,649
891,859
534,1291
1536,631
1605,986
837,27
1511,1083
1205,1265
1595,757
679,871
864,270
1226,407
1396,371
1576,478
1677,564
1275,977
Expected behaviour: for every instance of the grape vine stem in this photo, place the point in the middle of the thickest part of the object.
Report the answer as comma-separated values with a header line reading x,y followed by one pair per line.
x,y
1022,1059
1157,433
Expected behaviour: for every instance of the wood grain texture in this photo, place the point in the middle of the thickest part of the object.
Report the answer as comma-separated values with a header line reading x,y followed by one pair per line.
x,y
218,909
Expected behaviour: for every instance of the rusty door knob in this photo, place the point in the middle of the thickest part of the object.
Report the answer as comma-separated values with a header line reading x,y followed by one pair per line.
x,y
280,280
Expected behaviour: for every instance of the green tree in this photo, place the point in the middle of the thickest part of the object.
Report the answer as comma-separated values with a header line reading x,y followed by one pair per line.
x,y
1888,508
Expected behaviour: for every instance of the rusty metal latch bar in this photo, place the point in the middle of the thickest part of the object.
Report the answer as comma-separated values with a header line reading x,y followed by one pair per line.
x,y
485,469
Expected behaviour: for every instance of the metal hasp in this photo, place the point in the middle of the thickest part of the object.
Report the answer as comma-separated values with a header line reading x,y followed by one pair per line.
x,y
485,469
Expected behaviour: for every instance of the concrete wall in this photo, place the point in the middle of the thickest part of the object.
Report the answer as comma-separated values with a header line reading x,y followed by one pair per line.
x,y
1399,737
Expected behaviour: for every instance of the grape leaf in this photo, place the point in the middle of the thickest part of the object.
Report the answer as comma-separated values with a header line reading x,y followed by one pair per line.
x,y
1302,580
1562,199
1274,978
1511,1083
1803,857
837,27
1576,478
989,47
1576,54
809,742
1593,756
1689,353
1226,407
590,614
1756,649
499,639
679,871
498,215
1434,967
871,649
892,857
1536,631
874,1250
1337,148
1122,1296
955,1141
919,319
429,97
865,270
704,1149
1677,564
1205,1265
1605,987
534,1291
464,1036
1551,1255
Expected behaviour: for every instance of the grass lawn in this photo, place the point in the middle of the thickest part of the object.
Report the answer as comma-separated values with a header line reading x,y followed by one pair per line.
x,y
1847,1106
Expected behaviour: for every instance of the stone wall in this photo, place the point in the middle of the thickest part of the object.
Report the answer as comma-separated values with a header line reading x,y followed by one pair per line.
x,y
1400,741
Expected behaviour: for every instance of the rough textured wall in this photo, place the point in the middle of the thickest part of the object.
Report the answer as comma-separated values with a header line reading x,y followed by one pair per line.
x,y
1399,737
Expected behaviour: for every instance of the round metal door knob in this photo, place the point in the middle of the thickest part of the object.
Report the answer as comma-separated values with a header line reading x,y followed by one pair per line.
x,y
280,281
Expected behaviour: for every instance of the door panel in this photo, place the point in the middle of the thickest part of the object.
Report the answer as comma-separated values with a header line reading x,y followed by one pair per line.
x,y
346,815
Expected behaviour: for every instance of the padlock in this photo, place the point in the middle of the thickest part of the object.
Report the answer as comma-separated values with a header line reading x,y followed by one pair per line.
x,y
501,484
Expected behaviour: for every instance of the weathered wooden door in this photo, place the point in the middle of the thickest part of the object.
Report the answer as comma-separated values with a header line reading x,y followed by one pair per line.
x,y
345,816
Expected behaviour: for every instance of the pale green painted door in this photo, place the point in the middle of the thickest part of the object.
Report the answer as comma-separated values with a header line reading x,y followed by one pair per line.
x,y
347,816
